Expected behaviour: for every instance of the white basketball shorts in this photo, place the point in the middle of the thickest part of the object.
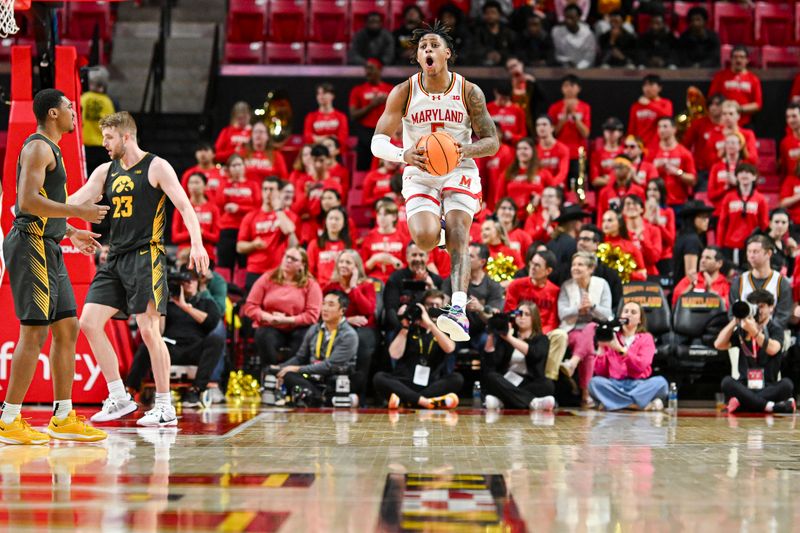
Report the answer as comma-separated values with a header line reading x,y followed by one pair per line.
x,y
423,192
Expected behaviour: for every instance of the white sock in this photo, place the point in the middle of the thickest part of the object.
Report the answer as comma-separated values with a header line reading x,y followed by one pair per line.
x,y
459,299
10,412
61,408
770,406
116,389
163,398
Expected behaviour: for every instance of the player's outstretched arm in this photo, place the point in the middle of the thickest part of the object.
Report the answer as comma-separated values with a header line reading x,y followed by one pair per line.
x,y
390,120
34,159
482,124
167,179
93,188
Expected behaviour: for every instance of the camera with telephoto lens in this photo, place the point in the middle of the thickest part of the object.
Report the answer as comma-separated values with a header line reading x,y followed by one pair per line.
x,y
606,329
412,291
744,309
498,322
174,280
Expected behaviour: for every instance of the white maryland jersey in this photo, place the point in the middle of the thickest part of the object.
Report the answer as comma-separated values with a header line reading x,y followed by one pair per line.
x,y
428,112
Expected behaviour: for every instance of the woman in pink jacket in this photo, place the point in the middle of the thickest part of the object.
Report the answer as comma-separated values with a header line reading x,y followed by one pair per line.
x,y
622,370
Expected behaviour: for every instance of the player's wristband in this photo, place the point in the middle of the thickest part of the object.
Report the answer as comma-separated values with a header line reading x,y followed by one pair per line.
x,y
384,149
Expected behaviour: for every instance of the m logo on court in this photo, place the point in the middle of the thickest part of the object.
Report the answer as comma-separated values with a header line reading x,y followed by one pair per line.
x,y
122,184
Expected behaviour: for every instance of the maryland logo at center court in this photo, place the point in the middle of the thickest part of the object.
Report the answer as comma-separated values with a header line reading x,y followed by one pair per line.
x,y
122,184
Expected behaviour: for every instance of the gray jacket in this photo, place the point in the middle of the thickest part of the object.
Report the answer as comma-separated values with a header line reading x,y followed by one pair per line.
x,y
343,352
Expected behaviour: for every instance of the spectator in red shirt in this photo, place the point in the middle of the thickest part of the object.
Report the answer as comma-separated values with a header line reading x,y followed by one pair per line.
x,y
349,277
492,170
698,136
506,213
789,154
204,155
553,155
309,189
303,167
508,115
377,183
620,185
722,177
662,217
265,233
336,170
709,278
383,248
207,215
544,211
326,121
644,171
647,110
572,119
323,251
282,304
644,235
729,123
790,195
236,134
743,210
260,157
739,84
237,196
602,161
674,163
537,288
616,234
367,102
286,189
494,236
523,178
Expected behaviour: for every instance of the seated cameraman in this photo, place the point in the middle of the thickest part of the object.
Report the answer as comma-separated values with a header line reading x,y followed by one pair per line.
x,y
623,368
420,350
485,294
397,292
513,365
760,341
188,331
329,349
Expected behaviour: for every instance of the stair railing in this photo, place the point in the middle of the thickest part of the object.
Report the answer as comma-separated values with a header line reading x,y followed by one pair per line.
x,y
158,62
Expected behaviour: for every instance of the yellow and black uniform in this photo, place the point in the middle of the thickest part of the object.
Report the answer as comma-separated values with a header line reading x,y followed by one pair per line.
x,y
136,269
40,284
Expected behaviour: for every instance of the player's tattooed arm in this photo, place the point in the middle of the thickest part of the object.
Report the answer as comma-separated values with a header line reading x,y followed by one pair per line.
x,y
482,124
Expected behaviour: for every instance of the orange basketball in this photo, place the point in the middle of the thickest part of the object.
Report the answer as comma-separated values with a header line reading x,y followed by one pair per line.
x,y
440,148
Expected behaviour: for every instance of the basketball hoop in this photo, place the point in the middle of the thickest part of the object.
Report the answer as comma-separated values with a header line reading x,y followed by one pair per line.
x,y
8,26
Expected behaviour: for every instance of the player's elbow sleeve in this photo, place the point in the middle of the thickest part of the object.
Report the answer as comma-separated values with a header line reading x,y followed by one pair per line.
x,y
383,148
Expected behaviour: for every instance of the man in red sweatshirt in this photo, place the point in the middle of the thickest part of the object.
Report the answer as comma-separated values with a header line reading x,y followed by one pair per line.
x,y
367,102
537,288
326,121
510,116
789,161
572,119
674,163
204,155
646,111
743,210
739,84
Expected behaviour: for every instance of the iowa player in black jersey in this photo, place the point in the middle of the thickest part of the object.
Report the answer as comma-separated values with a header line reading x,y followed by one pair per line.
x,y
133,281
42,292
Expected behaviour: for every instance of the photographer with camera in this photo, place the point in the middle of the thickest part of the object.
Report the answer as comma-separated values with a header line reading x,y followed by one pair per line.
x,y
583,299
420,352
760,341
399,292
188,332
328,350
514,362
623,368
485,294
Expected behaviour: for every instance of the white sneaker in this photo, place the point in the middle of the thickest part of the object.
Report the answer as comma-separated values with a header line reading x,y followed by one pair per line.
x,y
159,416
546,403
114,408
215,395
493,402
353,400
655,405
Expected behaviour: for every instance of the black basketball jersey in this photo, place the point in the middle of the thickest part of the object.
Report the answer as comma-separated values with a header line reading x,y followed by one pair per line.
x,y
137,208
54,188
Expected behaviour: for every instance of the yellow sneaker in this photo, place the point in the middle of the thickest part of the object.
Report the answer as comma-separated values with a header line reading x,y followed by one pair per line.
x,y
20,432
74,427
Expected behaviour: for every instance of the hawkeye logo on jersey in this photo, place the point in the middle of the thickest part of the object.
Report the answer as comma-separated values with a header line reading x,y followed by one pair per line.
x,y
437,115
122,184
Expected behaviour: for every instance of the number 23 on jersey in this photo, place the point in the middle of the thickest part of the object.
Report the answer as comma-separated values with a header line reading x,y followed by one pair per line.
x,y
123,206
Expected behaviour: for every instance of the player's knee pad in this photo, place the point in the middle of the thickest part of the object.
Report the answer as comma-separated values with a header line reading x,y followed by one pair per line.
x,y
419,204
461,202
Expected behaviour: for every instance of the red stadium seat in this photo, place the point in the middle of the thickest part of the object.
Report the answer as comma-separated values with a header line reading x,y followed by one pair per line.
x,y
767,163
244,53
780,57
329,22
435,5
326,54
287,21
247,21
284,53
725,55
733,23
84,48
82,18
679,12
359,9
797,22
398,6
774,24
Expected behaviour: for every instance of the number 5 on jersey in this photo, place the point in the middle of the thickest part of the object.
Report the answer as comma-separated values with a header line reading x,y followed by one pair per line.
x,y
123,206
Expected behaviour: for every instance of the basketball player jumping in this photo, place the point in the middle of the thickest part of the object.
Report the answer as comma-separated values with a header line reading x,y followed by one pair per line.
x,y
436,99
134,281
40,286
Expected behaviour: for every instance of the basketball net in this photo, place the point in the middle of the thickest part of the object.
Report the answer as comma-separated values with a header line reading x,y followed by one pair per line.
x,y
8,26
